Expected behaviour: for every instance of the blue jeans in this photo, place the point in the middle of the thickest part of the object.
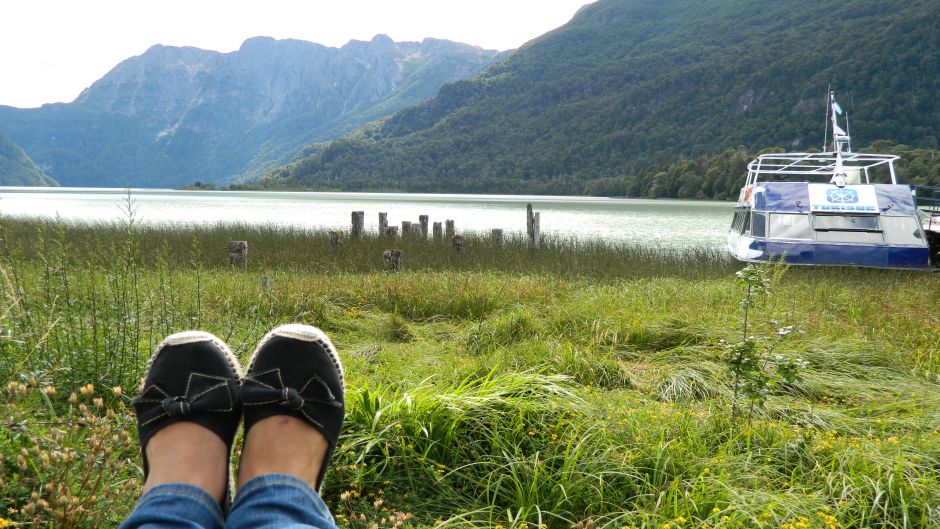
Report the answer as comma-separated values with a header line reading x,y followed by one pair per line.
x,y
265,502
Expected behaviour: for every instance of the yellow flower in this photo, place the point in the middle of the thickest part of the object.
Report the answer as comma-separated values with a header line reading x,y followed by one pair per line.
x,y
4,523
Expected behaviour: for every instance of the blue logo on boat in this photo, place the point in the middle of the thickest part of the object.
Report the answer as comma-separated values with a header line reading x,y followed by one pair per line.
x,y
842,196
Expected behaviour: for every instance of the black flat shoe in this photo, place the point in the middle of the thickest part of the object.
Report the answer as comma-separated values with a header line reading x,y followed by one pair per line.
x,y
193,376
295,371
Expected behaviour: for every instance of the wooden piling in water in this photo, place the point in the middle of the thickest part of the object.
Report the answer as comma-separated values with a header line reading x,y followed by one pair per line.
x,y
449,230
358,224
391,231
532,228
383,222
497,236
457,243
238,254
405,228
392,259
423,221
438,231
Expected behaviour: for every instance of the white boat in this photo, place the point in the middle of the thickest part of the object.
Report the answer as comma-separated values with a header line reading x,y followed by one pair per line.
x,y
835,207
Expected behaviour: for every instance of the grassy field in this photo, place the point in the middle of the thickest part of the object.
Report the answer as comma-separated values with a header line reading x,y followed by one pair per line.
x,y
586,385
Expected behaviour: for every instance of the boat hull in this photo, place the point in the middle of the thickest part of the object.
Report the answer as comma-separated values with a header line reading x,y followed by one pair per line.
x,y
818,254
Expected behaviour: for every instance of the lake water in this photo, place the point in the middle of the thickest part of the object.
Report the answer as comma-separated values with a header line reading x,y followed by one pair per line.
x,y
671,223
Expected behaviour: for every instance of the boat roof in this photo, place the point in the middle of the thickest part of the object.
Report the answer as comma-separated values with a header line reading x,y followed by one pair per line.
x,y
820,166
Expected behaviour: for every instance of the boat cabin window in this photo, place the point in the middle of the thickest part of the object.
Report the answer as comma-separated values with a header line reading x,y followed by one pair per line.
x,y
789,226
847,222
902,230
847,228
758,225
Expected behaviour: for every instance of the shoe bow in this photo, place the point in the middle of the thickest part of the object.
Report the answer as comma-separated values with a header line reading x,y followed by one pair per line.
x,y
268,387
204,393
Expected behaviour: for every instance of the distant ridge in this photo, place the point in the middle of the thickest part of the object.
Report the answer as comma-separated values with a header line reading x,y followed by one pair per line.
x,y
16,169
175,115
629,86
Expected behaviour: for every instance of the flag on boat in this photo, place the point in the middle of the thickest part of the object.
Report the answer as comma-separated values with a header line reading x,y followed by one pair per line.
x,y
839,134
836,108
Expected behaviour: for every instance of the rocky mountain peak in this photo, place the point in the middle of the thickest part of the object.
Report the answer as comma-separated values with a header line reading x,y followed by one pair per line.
x,y
216,116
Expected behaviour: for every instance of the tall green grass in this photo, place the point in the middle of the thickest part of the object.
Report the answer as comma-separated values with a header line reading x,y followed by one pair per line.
x,y
515,392
287,248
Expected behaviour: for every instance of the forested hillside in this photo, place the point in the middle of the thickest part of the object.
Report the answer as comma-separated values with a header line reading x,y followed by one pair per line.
x,y
720,176
16,169
630,87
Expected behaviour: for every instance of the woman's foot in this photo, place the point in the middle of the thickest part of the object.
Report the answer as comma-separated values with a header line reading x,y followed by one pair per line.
x,y
188,412
293,398
186,452
282,444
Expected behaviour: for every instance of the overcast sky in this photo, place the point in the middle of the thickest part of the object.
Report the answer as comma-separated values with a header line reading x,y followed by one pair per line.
x,y
50,50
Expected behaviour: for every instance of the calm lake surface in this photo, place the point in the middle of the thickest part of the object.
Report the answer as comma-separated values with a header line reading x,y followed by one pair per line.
x,y
670,223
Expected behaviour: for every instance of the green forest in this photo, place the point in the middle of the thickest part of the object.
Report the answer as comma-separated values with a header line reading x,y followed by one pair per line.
x,y
17,169
657,99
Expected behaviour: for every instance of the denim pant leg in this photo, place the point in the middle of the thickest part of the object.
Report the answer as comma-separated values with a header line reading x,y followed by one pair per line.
x,y
175,506
278,501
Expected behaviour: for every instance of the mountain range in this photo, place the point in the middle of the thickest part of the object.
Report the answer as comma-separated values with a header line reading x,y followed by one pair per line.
x,y
175,115
608,101
657,98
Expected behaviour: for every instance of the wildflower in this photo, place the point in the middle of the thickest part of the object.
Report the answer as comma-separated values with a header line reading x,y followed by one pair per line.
x,y
715,510
87,390
117,391
99,402
680,519
73,398
49,390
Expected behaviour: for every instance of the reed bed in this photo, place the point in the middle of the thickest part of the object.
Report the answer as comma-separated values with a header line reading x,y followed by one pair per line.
x,y
580,386
283,247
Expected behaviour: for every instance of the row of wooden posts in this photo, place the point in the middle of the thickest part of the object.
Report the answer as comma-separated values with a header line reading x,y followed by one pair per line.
x,y
408,228
238,250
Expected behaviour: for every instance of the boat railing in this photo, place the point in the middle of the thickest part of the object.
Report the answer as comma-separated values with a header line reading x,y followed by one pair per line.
x,y
858,167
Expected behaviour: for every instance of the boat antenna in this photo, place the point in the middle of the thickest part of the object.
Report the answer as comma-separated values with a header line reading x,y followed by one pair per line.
x,y
826,121
840,138
848,132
